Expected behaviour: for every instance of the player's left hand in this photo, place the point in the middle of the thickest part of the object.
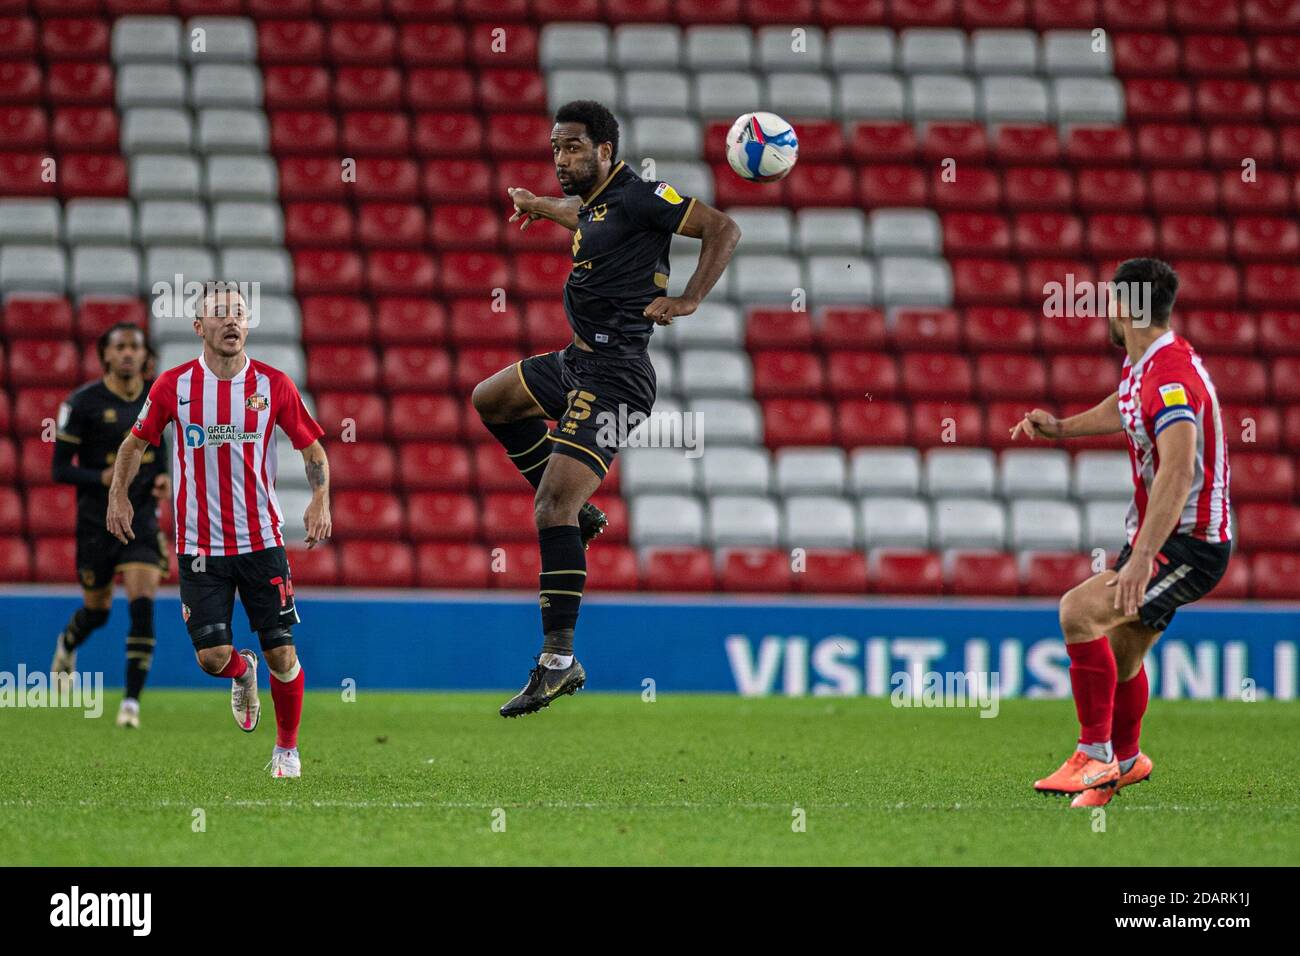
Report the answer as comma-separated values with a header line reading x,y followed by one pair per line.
x,y
317,521
162,487
666,308
1130,585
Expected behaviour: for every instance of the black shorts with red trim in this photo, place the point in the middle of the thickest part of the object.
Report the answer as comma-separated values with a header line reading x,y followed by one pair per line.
x,y
209,585
593,400
1186,569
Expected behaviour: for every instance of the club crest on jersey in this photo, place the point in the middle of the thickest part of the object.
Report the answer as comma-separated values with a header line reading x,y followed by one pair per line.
x,y
257,402
668,194
1173,395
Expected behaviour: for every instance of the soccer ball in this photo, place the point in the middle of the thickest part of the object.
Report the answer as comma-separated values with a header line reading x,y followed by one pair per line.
x,y
761,147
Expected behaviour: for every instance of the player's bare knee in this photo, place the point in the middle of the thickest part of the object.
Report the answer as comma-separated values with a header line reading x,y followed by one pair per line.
x,y
552,507
1076,615
101,600
213,660
485,401
281,659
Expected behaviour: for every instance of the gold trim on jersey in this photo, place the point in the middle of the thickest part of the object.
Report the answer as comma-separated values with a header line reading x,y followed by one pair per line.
x,y
599,189
686,215
661,280
562,441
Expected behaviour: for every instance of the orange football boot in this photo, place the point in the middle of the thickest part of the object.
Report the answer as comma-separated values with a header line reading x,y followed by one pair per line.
x,y
1100,796
1079,772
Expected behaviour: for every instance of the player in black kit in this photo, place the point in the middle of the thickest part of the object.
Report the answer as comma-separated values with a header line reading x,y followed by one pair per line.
x,y
92,423
622,228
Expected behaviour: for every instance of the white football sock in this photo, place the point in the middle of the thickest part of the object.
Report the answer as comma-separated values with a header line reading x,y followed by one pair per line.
x,y
557,662
1102,752
1126,765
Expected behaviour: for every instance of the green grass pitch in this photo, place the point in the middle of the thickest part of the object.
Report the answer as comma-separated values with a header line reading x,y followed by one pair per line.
x,y
416,778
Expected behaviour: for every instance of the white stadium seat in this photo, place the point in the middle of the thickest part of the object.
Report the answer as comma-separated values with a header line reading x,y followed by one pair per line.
x,y
781,50
1087,100
1104,525
165,177
99,220
1103,474
151,84
173,220
966,472
647,46
666,520
811,471
232,85
729,421
29,220
1034,473
716,373
821,231
573,45
969,523
932,50
816,521
1004,51
33,268
871,96
1076,53
105,269
765,230
719,48
905,232
145,39
895,522
885,471
735,470
658,470
225,40
855,49
1044,525
737,521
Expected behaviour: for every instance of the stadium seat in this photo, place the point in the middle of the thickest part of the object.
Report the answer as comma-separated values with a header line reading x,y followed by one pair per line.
x,y
1051,574
1268,525
982,574
1275,576
906,572
755,569
678,569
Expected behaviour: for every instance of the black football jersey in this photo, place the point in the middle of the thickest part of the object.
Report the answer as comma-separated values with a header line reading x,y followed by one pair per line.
x,y
620,260
92,424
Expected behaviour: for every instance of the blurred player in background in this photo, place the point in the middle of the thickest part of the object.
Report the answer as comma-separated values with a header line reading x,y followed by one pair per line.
x,y
1177,533
226,406
622,228
92,423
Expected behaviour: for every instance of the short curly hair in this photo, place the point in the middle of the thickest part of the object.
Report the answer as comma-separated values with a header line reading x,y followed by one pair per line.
x,y
600,122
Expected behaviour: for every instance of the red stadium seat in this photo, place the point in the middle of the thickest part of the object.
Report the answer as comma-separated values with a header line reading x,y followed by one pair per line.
x,y
1111,190
983,574
1263,525
926,329
975,234
368,87
1229,101
318,224
1051,573
432,44
340,320
1157,100
1235,583
17,38
869,375
797,421
451,565
1279,332
23,127
678,569
475,322
1215,55
1084,377
328,271
354,415
508,516
1007,375
846,327
386,179
923,13
991,328
466,227
938,423
832,571
873,142
473,365
366,514
74,38
542,273
20,82
15,559
456,181
962,142
1038,187
900,571
820,184
11,511
414,368
518,135
782,374
1146,54
34,406
976,188
1272,285
1184,190
1261,476
755,569
1170,144
8,462
1193,236
937,375
1238,378
1221,331
1195,16
319,566
441,515
1064,14
375,133
434,466
54,559
363,43
613,568
1269,194
1265,238
51,509
96,314
1275,576
363,464
376,564
449,135
296,87
1259,427
1228,144
519,48
21,175
1092,146
1207,284
778,329
310,178
515,565
1120,236
546,326
1001,417
43,362
304,131
471,273
290,41
351,9
1016,143
492,469
863,422
890,186
1048,233
511,90
986,282
821,138
424,416
400,272
342,367
440,88
36,317
411,320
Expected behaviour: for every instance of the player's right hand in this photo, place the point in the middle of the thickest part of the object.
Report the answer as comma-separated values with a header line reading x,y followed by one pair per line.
x,y
120,517
1037,424
523,201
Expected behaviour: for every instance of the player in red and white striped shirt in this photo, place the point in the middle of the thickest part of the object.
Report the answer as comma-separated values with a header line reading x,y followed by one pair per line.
x,y
225,406
1178,542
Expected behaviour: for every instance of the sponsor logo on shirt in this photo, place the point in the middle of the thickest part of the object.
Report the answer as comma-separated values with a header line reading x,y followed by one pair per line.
x,y
668,194
1173,394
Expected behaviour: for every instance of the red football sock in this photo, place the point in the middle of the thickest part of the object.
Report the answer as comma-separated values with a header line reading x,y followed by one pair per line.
x,y
236,666
1093,675
287,696
1130,704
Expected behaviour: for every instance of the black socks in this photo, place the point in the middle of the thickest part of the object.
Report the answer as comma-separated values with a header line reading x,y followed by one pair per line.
x,y
80,626
527,445
564,574
139,646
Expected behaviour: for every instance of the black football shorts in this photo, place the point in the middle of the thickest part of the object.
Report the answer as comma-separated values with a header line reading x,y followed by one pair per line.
x,y
592,399
208,588
100,555
1186,569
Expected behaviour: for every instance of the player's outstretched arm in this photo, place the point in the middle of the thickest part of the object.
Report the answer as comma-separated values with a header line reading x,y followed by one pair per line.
x,y
718,235
317,516
1176,445
1102,419
125,467
530,208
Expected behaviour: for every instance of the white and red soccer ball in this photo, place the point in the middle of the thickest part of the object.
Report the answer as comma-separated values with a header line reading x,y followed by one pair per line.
x,y
762,147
